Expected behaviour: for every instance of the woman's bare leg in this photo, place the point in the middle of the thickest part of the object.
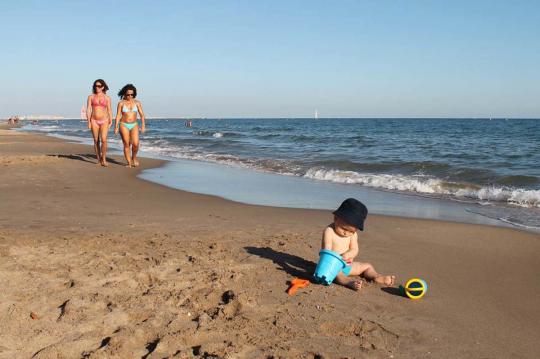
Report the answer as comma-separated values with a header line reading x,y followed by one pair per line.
x,y
124,132
104,130
134,145
95,134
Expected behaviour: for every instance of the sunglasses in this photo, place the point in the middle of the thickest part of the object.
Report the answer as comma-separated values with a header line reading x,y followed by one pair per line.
x,y
130,95
99,85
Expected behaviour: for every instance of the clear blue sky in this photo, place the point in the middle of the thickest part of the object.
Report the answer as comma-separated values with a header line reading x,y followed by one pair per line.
x,y
275,58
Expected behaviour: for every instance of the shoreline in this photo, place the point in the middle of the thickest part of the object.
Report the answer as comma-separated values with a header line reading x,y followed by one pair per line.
x,y
125,268
380,202
396,203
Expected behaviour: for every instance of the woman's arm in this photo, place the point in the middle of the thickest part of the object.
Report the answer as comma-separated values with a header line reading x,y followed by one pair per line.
x,y
141,113
118,115
89,110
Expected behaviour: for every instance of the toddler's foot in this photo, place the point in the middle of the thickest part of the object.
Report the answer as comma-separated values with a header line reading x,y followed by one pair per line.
x,y
388,280
135,163
354,285
129,165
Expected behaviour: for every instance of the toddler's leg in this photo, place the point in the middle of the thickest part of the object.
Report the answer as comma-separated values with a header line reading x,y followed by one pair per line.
x,y
348,282
367,271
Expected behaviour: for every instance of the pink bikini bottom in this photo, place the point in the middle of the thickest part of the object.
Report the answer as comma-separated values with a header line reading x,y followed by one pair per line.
x,y
100,122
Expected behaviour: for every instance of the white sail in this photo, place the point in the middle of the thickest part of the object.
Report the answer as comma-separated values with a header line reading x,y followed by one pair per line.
x,y
83,113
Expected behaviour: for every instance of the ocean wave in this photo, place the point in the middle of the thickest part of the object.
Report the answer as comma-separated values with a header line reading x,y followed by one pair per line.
x,y
405,168
42,128
216,134
518,180
163,149
431,186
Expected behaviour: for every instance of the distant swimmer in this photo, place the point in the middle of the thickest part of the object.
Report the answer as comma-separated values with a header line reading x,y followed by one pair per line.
x,y
126,123
99,117
188,123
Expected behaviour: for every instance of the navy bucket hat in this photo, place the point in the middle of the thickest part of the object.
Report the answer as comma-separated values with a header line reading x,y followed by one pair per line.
x,y
353,212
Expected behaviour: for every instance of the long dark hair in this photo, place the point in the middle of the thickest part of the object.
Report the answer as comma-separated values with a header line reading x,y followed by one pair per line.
x,y
125,89
100,81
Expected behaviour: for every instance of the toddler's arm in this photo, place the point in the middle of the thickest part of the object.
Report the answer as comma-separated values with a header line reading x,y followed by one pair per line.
x,y
353,250
327,239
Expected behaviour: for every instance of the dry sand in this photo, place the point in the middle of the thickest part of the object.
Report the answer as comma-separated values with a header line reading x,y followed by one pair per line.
x,y
96,263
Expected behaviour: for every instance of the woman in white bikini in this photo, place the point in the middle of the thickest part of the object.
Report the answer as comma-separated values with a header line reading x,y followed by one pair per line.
x,y
126,123
99,117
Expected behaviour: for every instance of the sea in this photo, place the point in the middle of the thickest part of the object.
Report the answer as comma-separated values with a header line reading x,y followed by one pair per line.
x,y
473,170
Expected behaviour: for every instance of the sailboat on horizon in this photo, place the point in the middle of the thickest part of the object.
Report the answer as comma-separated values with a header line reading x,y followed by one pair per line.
x,y
316,114
83,113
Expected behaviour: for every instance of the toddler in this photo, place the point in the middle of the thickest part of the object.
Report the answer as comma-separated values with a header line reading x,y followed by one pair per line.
x,y
342,237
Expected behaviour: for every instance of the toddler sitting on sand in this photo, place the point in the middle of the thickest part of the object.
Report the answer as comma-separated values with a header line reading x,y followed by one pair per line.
x,y
341,237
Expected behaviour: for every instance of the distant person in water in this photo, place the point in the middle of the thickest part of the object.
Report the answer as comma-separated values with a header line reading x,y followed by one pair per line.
x,y
341,236
126,123
99,117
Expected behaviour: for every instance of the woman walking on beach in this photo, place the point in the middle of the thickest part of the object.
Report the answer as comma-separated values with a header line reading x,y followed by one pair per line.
x,y
99,117
126,123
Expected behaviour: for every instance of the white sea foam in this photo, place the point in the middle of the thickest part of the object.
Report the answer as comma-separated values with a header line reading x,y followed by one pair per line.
x,y
210,133
386,181
426,185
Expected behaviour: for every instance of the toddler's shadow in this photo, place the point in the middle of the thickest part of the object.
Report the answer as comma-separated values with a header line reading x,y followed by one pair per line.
x,y
298,266
293,265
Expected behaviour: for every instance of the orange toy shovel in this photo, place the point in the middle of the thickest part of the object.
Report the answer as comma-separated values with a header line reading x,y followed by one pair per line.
x,y
297,283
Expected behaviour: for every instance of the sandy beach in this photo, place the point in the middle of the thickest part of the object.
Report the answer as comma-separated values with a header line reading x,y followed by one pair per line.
x,y
96,263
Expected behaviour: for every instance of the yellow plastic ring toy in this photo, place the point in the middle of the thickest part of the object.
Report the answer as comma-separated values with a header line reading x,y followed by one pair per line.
x,y
416,288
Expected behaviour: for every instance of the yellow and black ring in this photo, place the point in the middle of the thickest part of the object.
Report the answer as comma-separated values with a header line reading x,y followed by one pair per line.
x,y
416,288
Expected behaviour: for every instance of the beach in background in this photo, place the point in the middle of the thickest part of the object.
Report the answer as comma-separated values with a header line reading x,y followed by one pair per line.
x,y
97,263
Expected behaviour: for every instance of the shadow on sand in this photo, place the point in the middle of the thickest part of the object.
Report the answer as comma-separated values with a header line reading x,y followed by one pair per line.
x,y
86,157
291,264
300,267
394,291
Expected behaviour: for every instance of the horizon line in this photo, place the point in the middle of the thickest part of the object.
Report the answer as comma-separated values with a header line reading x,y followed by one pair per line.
x,y
61,118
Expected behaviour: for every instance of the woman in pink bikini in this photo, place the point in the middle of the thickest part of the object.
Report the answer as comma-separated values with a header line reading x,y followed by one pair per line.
x,y
99,116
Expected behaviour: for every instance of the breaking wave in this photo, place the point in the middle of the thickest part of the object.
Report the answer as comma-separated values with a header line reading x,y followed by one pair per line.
x,y
431,186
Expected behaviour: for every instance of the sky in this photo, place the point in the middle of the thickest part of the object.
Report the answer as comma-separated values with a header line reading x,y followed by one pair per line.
x,y
219,58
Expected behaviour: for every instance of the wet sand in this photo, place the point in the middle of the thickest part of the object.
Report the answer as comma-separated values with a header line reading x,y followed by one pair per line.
x,y
97,263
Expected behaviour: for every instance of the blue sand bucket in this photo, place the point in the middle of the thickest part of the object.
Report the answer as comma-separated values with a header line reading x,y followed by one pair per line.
x,y
329,266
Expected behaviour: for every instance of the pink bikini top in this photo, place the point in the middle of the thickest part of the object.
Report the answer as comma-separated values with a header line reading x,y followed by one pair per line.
x,y
96,103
